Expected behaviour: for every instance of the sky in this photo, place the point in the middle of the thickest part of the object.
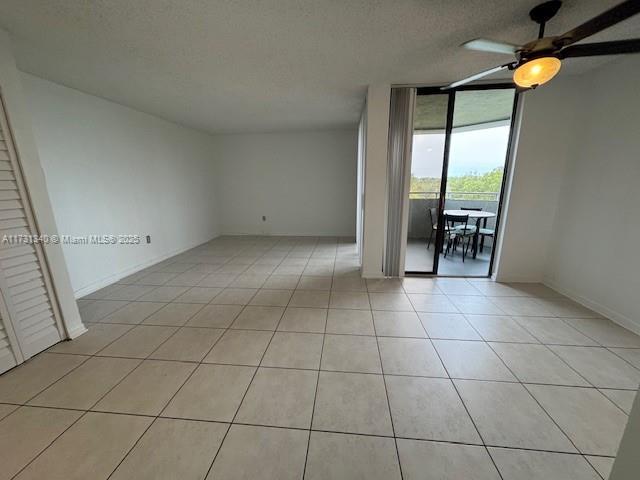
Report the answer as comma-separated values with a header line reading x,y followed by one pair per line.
x,y
478,151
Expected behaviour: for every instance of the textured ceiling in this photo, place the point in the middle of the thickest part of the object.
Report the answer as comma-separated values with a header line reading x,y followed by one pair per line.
x,y
470,108
266,65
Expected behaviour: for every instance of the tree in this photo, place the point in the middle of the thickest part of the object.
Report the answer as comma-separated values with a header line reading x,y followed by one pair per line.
x,y
484,186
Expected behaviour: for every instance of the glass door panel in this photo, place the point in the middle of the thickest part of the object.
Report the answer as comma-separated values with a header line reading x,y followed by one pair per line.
x,y
475,169
427,161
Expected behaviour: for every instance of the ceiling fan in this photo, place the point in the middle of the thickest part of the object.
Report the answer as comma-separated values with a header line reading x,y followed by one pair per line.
x,y
539,61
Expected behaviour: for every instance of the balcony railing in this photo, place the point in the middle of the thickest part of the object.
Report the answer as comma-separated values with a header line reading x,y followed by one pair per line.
x,y
485,196
420,202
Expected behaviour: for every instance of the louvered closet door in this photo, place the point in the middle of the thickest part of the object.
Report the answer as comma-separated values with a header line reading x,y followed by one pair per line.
x,y
10,354
24,280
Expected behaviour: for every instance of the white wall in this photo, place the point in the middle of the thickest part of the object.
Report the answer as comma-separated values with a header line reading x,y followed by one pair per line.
x,y
549,118
375,178
303,182
594,253
571,220
114,170
627,462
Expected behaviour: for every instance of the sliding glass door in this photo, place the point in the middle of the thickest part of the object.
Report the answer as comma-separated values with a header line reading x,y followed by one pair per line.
x,y
425,190
460,147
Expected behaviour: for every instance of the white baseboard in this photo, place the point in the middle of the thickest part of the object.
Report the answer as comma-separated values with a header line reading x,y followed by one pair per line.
x,y
375,274
516,278
597,307
285,234
103,282
76,332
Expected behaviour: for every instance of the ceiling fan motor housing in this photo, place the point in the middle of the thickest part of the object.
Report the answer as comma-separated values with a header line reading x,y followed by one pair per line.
x,y
542,47
544,12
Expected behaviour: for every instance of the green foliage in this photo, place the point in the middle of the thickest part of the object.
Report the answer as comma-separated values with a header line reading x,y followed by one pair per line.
x,y
489,182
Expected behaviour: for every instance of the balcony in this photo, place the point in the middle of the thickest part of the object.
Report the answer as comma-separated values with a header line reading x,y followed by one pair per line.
x,y
420,258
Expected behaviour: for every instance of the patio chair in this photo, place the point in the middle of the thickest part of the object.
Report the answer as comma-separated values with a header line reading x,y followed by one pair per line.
x,y
457,234
472,209
432,217
433,224
483,231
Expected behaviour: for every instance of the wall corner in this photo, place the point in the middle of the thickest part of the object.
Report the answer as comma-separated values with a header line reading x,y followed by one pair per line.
x,y
27,151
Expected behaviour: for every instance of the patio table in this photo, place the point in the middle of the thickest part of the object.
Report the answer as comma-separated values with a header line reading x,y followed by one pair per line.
x,y
478,215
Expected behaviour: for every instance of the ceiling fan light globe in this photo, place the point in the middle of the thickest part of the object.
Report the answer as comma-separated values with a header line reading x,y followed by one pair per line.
x,y
536,72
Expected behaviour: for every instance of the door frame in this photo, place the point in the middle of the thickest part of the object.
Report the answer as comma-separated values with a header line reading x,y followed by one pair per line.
x,y
360,181
439,240
27,350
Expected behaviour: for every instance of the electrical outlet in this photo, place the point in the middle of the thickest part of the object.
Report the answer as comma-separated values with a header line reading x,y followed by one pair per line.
x,y
264,218
148,238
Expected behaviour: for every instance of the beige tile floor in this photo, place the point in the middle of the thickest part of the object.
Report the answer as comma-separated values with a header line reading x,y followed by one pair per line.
x,y
254,357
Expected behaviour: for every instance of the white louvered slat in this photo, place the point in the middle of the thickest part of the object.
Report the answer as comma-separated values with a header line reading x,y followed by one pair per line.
x,y
12,223
24,317
38,330
15,231
15,250
40,340
30,285
30,323
7,357
10,205
26,257
37,317
30,299
32,305
25,277
6,175
9,195
34,320
28,263
11,214
28,294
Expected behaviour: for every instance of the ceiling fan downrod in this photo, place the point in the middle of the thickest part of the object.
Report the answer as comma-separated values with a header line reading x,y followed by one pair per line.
x,y
544,12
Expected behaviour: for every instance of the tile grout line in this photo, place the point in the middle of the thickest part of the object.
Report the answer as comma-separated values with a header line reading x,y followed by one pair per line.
x,y
386,391
247,389
90,409
481,380
315,396
466,409
351,334
526,389
580,452
273,334
176,392
155,418
557,355
341,432
485,342
594,468
84,414
622,358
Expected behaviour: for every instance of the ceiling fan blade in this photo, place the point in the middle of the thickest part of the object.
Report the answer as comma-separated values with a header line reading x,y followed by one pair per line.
x,y
477,76
605,20
602,48
486,45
